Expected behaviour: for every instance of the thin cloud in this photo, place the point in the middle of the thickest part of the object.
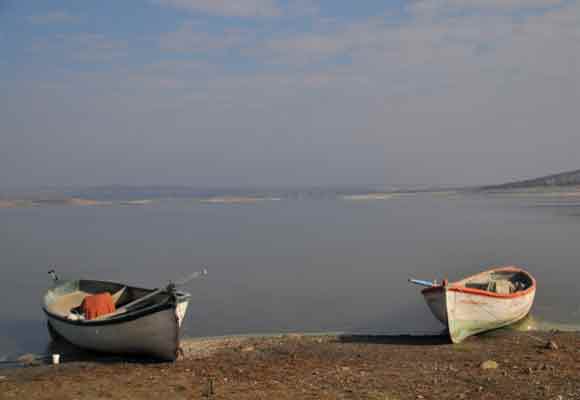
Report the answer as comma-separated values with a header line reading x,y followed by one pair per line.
x,y
227,8
503,4
53,17
82,47
437,8
190,38
302,8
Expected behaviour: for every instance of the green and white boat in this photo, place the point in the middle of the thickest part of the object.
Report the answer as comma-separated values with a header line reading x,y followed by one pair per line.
x,y
489,300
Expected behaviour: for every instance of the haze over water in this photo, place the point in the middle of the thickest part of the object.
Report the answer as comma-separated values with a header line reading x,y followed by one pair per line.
x,y
290,265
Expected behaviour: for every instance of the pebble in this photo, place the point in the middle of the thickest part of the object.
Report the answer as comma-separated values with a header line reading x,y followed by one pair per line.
x,y
551,345
28,359
248,349
294,336
489,364
2,377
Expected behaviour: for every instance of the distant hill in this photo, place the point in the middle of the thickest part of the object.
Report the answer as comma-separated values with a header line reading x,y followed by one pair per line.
x,y
562,179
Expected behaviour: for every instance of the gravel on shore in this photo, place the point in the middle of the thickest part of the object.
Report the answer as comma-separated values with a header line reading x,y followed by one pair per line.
x,y
507,365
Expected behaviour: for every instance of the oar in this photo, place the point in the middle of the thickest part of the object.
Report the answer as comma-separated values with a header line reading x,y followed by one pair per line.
x,y
182,282
191,277
422,282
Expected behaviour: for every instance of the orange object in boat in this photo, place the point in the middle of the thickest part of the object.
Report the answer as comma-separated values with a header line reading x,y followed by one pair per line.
x,y
98,304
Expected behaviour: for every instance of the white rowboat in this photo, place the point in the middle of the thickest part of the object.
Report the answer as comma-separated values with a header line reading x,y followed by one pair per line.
x,y
482,302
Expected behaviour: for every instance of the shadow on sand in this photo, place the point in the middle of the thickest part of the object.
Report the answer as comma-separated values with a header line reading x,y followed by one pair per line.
x,y
408,340
71,353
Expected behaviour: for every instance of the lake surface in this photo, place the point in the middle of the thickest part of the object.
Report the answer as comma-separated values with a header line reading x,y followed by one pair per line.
x,y
290,265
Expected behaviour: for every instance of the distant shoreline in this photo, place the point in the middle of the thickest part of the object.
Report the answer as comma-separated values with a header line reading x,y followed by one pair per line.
x,y
541,191
238,199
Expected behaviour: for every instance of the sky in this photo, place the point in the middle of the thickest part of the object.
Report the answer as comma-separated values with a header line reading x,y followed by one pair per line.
x,y
271,92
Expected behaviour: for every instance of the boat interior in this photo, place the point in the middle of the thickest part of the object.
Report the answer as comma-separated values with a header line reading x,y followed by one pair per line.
x,y
500,282
66,301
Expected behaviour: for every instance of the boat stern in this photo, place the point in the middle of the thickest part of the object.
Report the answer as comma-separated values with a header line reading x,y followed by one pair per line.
x,y
436,299
181,303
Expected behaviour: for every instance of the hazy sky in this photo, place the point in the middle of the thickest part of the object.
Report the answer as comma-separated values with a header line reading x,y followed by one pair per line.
x,y
259,92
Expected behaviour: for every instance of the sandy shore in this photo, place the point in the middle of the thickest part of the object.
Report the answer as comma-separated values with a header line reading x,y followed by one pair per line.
x,y
518,366
368,196
237,200
14,203
72,201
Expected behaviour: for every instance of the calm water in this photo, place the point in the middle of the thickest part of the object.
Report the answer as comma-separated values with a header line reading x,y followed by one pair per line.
x,y
290,265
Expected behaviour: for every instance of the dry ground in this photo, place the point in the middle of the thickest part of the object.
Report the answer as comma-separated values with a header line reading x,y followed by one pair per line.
x,y
327,367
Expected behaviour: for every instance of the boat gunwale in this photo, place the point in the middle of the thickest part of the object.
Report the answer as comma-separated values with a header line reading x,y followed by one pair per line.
x,y
121,318
128,316
455,287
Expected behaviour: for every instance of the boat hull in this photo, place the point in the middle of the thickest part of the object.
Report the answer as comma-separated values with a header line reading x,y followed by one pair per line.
x,y
155,335
467,314
437,302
